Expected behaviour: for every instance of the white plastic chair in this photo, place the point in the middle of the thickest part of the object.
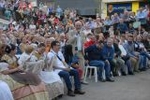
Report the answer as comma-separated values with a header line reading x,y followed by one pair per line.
x,y
90,69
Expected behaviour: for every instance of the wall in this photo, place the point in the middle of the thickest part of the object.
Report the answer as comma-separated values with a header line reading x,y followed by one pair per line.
x,y
135,6
85,7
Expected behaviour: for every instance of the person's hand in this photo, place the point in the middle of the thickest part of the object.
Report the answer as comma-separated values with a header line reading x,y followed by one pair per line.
x,y
86,61
137,54
136,58
122,55
76,35
28,60
75,66
67,69
106,61
115,55
20,68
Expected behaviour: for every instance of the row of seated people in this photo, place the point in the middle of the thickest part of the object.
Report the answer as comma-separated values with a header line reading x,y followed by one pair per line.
x,y
113,56
35,75
34,66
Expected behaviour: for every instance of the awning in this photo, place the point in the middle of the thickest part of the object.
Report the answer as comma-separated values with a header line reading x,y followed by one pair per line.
x,y
110,1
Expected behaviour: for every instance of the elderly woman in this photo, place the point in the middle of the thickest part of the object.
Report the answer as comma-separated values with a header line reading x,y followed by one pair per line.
x,y
53,82
41,67
29,61
24,85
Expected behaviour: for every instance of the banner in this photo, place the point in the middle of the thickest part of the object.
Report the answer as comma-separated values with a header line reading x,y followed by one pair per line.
x,y
143,4
118,8
108,1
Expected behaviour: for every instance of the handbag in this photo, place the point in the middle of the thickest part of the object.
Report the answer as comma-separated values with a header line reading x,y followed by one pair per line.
x,y
27,78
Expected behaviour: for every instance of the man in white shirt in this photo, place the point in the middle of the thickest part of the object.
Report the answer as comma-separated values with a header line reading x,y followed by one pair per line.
x,y
32,26
63,70
126,58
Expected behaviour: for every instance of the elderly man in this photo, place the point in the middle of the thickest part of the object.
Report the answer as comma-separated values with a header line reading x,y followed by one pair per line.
x,y
134,56
77,39
108,54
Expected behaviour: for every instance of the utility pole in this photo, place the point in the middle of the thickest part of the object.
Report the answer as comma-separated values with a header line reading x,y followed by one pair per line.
x,y
100,9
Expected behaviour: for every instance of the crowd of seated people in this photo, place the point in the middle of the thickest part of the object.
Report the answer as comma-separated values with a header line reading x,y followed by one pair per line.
x,y
39,56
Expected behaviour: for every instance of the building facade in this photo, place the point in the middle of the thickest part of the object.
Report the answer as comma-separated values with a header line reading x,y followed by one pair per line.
x,y
92,7
118,6
84,7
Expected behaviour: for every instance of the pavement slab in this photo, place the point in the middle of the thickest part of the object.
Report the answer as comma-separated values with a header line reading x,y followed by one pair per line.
x,y
128,87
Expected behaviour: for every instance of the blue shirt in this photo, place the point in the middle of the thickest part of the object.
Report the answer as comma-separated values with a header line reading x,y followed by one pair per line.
x,y
108,53
107,22
141,15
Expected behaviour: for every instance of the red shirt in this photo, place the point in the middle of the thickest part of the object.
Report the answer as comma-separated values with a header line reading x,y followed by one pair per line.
x,y
88,43
56,21
148,14
22,5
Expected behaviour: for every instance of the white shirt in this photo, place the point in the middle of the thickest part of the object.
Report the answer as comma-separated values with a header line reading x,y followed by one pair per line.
x,y
5,93
123,51
57,62
32,26
79,43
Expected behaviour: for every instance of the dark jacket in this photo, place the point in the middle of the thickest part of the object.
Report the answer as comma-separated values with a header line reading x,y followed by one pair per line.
x,y
93,53
122,27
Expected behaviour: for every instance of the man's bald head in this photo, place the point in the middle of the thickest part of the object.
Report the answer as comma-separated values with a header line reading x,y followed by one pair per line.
x,y
78,25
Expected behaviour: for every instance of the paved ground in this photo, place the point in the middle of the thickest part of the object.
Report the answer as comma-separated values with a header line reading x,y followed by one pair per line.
x,y
135,87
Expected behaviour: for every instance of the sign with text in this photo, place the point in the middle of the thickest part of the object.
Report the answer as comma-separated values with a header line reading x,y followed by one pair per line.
x,y
108,1
118,8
